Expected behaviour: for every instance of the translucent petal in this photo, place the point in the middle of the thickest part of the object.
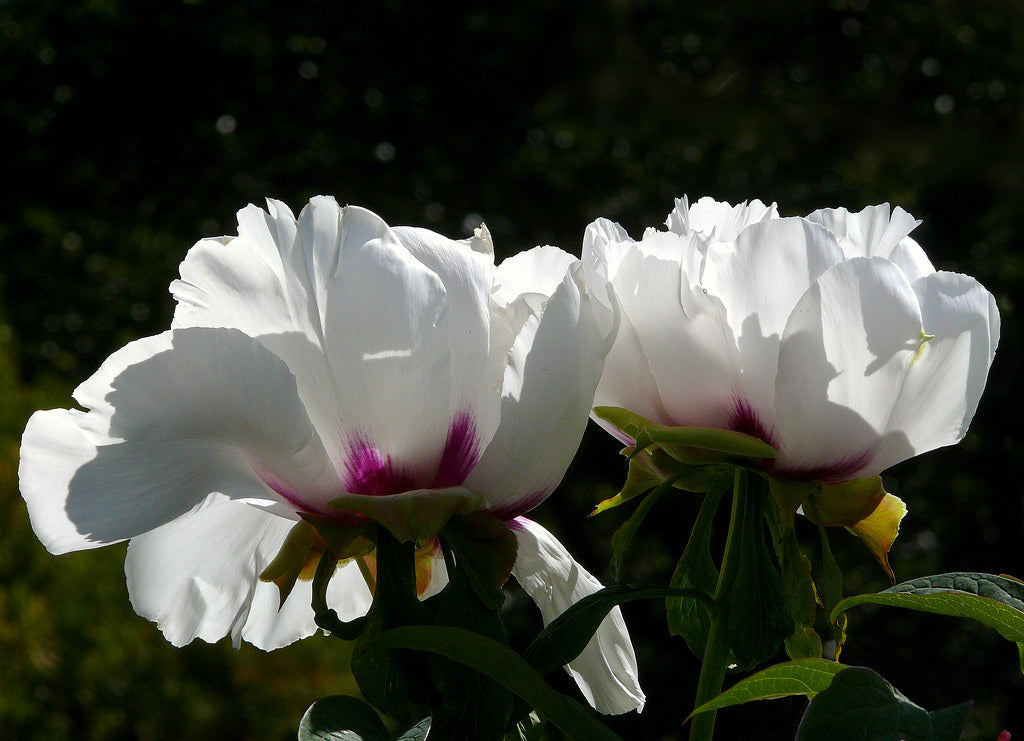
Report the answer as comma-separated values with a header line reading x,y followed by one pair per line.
x,y
549,384
198,577
843,363
606,671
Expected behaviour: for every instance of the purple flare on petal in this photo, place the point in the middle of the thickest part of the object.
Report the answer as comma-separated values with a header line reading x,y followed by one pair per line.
x,y
461,452
745,419
370,473
835,472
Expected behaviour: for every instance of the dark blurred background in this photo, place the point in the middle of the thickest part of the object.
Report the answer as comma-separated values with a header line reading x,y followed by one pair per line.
x,y
130,130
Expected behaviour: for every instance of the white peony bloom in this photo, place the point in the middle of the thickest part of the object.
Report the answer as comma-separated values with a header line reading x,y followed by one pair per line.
x,y
317,357
830,337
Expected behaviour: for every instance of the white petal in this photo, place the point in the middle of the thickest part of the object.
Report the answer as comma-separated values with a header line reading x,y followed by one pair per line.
x,y
242,282
943,384
534,274
844,359
911,259
387,329
198,577
871,232
552,372
605,243
759,277
606,671
716,220
173,419
81,495
684,339
476,371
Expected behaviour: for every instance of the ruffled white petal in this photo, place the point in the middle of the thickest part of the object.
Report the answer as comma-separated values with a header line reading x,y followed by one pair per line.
x,y
198,577
552,372
533,275
874,231
606,671
717,220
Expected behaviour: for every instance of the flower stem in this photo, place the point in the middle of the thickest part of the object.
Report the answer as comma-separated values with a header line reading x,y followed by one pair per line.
x,y
716,652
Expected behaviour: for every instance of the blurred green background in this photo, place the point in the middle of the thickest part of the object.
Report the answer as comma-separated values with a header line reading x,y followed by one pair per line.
x,y
130,130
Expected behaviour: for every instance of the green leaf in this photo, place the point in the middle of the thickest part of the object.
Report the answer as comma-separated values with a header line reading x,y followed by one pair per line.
x,y
392,681
688,616
759,620
418,732
800,677
468,703
568,634
623,536
862,705
342,718
797,583
503,665
995,601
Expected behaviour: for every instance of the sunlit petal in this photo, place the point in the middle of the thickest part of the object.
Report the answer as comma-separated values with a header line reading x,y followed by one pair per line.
x,y
606,671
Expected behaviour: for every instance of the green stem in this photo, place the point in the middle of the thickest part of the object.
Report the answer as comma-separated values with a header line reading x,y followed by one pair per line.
x,y
716,652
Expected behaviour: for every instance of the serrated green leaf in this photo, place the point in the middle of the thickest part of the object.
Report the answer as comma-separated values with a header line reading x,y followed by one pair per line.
x,y
860,705
342,718
504,666
800,677
995,601
687,616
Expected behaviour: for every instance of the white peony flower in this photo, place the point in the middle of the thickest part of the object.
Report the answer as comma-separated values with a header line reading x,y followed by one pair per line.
x,y
320,357
830,337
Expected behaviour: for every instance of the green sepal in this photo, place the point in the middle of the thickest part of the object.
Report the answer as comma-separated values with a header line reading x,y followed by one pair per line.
x,y
688,616
693,445
342,718
485,550
650,467
995,601
623,536
759,620
860,704
412,516
283,571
